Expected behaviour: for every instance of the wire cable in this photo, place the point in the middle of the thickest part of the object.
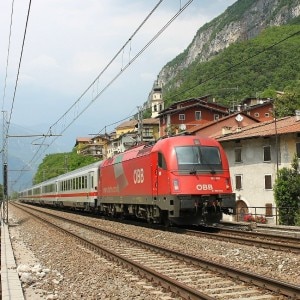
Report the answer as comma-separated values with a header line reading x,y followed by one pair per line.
x,y
215,76
8,51
41,151
20,60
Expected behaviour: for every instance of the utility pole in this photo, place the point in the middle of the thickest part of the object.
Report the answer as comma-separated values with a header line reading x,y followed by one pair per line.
x,y
140,123
4,163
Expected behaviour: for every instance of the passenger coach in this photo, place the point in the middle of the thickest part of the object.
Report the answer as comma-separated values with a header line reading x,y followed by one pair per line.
x,y
77,189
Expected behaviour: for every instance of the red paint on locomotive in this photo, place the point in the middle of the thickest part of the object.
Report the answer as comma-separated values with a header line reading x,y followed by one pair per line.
x,y
158,183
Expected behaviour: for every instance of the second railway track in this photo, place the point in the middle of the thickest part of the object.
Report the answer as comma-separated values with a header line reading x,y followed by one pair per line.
x,y
186,276
259,239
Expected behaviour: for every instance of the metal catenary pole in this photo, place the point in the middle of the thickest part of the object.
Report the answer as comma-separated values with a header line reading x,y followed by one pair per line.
x,y
4,163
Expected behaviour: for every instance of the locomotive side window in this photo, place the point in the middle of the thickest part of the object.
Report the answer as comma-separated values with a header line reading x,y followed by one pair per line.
x,y
162,161
198,158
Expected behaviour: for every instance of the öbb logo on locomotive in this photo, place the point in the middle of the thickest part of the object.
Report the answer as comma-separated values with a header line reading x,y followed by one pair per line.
x,y
138,176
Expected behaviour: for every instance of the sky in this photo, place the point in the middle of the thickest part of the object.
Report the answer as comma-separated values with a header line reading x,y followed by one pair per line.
x,y
70,42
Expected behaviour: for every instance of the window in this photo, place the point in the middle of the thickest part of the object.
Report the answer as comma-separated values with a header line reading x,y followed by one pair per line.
x,y
216,117
147,132
298,149
238,182
268,182
198,159
267,153
238,154
181,117
256,115
155,108
161,161
197,115
267,115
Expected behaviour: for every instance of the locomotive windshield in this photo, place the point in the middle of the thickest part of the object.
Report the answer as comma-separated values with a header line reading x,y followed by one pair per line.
x,y
198,159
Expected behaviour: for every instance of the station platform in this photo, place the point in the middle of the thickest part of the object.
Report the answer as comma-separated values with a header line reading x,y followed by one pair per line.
x,y
11,288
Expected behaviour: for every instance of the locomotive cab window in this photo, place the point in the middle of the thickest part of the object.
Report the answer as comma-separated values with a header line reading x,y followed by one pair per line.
x,y
161,161
198,158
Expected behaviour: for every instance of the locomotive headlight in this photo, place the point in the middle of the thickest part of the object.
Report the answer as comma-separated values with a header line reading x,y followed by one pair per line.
x,y
176,184
227,183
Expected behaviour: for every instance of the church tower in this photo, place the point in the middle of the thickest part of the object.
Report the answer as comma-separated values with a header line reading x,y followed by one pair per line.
x,y
156,101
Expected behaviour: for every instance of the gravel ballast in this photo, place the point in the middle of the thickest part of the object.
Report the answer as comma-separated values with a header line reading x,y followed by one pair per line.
x,y
61,269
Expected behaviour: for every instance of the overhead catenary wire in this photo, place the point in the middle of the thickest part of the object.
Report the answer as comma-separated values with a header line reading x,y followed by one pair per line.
x,y
215,76
237,64
40,151
8,52
19,66
110,62
52,127
210,78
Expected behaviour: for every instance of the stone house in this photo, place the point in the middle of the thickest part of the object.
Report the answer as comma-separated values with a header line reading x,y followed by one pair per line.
x,y
255,154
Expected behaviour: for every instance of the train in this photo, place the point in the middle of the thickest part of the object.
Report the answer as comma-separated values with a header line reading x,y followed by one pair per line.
x,y
180,180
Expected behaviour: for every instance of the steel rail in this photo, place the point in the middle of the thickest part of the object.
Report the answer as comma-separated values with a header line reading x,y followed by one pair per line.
x,y
248,241
271,284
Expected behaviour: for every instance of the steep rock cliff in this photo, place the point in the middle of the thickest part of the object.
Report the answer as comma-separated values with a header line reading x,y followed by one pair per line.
x,y
243,20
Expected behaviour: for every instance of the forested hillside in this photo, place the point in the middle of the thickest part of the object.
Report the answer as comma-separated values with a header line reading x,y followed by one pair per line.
x,y
60,163
269,62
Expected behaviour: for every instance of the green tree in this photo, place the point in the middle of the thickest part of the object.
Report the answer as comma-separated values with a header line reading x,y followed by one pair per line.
x,y
287,193
242,70
59,163
287,103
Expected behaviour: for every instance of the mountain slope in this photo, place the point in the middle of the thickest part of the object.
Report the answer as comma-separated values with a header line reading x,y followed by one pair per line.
x,y
242,21
244,69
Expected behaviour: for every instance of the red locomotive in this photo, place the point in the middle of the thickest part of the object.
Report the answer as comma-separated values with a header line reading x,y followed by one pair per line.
x,y
181,180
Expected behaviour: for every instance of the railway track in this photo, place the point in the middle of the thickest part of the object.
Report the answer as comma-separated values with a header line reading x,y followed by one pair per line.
x,y
186,276
259,239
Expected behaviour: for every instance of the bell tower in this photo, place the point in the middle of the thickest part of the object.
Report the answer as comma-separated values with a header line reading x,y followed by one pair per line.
x,y
157,103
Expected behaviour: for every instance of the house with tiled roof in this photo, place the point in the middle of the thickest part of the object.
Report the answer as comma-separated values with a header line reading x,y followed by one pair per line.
x,y
131,132
95,146
185,114
81,142
255,154
232,123
259,108
149,128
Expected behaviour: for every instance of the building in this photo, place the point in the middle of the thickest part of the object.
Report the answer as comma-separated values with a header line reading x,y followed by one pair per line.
x,y
146,130
185,114
255,154
121,144
81,142
132,132
223,126
261,109
95,146
155,99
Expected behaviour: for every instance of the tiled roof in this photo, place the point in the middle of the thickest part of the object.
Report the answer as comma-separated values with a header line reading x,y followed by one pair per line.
x,y
83,139
263,129
132,123
195,105
205,124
